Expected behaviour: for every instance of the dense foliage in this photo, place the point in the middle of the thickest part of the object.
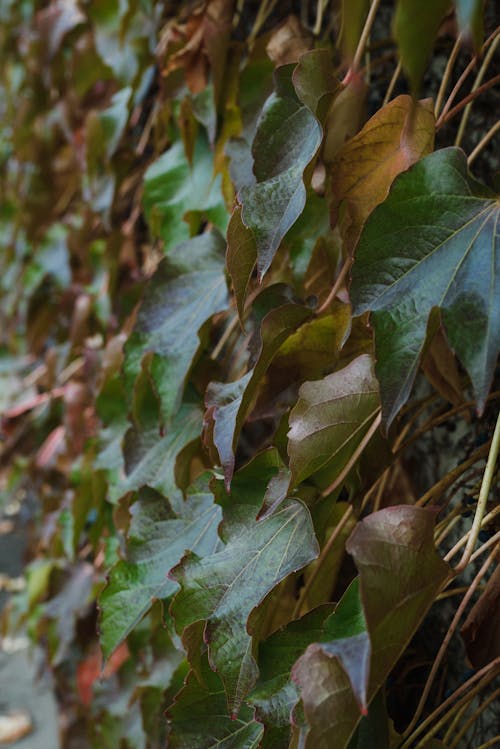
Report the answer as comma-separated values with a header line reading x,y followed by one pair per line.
x,y
250,310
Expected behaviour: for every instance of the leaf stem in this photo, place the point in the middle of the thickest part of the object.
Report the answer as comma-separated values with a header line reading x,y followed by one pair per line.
x,y
444,118
336,286
392,83
447,74
477,81
452,476
483,498
463,730
360,49
354,457
455,549
324,554
483,142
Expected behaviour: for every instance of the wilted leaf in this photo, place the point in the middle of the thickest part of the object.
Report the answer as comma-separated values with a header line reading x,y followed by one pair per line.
x,y
187,288
431,244
224,588
178,198
228,403
199,718
287,138
157,539
330,419
415,28
395,137
400,573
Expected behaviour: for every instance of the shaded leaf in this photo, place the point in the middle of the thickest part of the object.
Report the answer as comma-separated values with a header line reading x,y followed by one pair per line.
x,y
330,419
470,20
400,574
187,288
224,588
287,138
241,257
393,139
480,630
156,541
228,403
415,28
432,243
199,718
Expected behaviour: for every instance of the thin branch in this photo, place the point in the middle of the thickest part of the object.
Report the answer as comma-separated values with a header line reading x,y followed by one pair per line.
x,y
324,554
443,119
354,457
483,498
483,142
451,631
447,74
364,35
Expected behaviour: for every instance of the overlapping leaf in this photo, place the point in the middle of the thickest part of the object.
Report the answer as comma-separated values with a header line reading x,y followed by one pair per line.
x,y
432,243
330,419
224,588
157,539
400,573
187,288
396,137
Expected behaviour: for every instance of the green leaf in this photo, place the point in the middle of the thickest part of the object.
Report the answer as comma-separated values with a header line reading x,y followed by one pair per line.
x,y
415,28
331,418
287,138
400,574
228,404
470,20
432,243
187,288
275,694
224,588
156,541
174,193
149,457
199,718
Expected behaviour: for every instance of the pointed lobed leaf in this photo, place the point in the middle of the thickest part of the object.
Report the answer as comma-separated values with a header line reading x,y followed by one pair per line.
x,y
415,29
432,243
157,539
330,419
287,138
187,288
228,403
224,588
396,137
199,718
400,574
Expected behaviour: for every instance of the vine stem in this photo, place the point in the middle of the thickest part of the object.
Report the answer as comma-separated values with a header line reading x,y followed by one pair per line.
x,y
444,118
364,35
483,142
324,553
392,83
452,476
463,730
482,500
447,74
444,645
477,82
336,286
354,457
490,742
487,518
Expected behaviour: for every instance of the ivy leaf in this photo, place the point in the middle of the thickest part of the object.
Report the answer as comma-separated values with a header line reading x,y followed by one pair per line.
x,y
432,243
228,403
174,192
470,20
287,139
400,574
157,539
149,457
415,28
224,588
241,257
187,288
396,137
275,694
199,717
330,419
